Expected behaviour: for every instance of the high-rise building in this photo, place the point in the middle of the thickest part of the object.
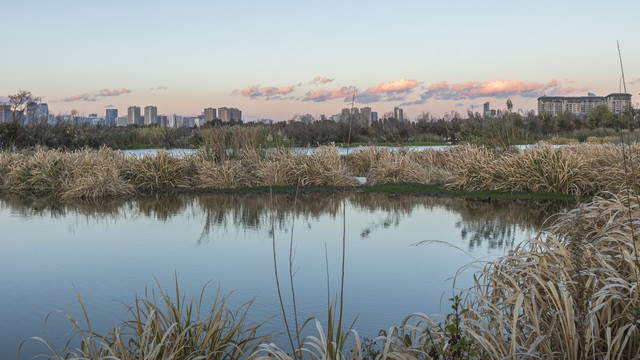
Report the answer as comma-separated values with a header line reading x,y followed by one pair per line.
x,y
618,103
111,117
374,116
5,113
344,115
229,114
365,113
134,115
175,121
210,114
163,121
398,113
150,115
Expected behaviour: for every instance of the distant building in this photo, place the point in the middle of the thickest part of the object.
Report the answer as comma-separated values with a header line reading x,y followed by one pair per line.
x,y
189,121
229,114
42,110
306,118
5,113
133,113
111,117
210,114
175,121
163,121
374,116
398,113
344,115
487,111
618,103
365,115
150,115
122,121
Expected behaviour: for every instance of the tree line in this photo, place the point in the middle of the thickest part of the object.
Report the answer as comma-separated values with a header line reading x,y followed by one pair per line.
x,y
25,129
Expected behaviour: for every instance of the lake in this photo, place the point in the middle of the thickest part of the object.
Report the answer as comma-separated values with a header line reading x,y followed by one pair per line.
x,y
401,253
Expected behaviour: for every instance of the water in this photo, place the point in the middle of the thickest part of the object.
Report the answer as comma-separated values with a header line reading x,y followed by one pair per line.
x,y
309,150
401,252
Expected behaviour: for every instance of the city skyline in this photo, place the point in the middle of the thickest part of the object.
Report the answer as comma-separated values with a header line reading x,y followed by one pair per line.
x,y
277,59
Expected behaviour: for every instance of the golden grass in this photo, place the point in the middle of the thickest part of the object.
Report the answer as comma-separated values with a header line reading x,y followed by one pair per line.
x,y
167,327
585,169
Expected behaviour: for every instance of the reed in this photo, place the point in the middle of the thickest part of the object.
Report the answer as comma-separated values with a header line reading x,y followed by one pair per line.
x,y
158,171
167,327
96,174
585,169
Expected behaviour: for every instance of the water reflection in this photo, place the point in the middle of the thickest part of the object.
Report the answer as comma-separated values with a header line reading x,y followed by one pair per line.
x,y
493,224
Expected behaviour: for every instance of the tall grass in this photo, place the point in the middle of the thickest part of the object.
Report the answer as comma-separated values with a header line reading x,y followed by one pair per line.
x,y
166,327
585,169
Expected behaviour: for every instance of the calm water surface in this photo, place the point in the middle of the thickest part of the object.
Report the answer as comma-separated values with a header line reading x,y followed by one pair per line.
x,y
401,252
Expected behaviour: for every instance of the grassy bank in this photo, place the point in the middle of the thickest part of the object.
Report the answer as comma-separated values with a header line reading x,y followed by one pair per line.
x,y
573,170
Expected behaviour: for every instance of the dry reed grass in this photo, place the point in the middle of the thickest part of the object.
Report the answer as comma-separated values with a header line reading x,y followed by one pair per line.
x,y
557,140
96,174
566,294
585,169
159,171
167,328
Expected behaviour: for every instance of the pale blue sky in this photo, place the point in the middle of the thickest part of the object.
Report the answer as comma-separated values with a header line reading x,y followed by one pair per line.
x,y
185,56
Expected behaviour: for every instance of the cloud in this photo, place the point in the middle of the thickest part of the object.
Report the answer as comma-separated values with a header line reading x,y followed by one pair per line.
x,y
634,81
108,106
97,96
321,95
4,99
158,88
459,104
400,85
365,98
389,91
494,88
319,79
269,92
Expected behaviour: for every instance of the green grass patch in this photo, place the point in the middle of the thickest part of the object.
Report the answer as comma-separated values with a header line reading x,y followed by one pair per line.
x,y
439,189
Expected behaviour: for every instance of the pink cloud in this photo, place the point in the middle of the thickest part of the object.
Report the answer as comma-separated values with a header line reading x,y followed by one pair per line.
x,y
438,86
394,86
273,91
494,88
96,96
321,95
269,92
499,88
635,81
319,79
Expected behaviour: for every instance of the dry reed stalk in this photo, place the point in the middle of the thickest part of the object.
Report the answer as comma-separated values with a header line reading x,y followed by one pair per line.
x,y
324,167
229,174
278,168
41,172
529,303
159,171
96,174
7,161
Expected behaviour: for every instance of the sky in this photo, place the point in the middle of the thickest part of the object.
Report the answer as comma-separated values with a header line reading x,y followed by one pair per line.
x,y
277,59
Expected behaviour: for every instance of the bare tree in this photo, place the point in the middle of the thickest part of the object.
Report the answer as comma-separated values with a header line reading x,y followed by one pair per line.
x,y
19,103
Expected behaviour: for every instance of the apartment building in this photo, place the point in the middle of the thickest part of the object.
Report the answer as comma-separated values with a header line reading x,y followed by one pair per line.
x,y
618,103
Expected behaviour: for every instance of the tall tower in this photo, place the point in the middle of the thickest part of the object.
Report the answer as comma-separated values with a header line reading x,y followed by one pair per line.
x,y
150,115
111,117
398,113
133,115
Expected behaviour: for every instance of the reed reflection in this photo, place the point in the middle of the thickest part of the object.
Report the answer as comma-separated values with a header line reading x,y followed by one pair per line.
x,y
481,224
